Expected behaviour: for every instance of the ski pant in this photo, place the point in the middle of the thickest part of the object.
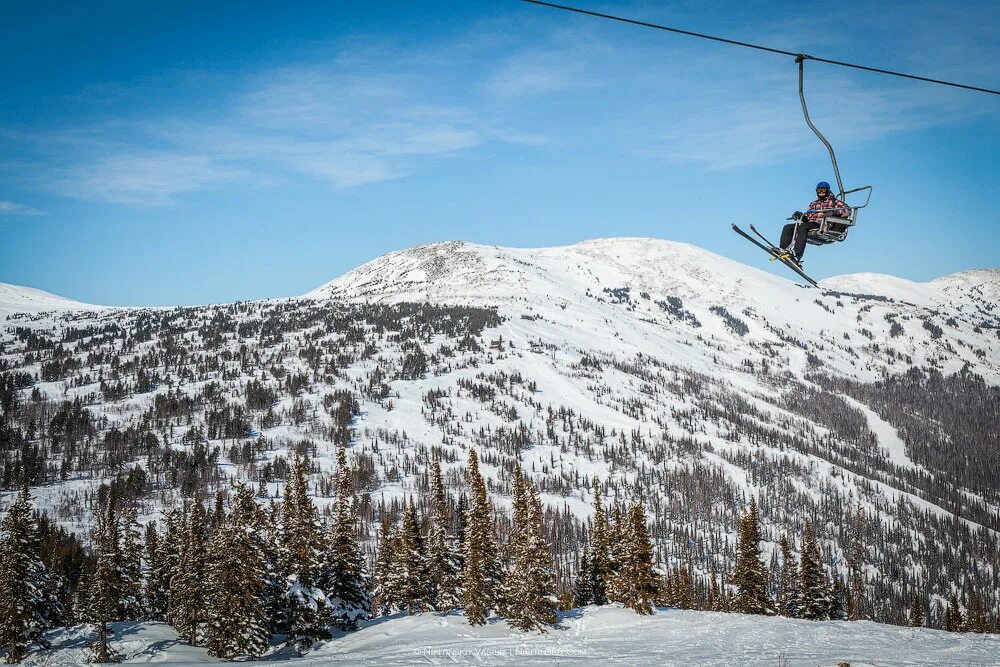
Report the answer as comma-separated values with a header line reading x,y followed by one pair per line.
x,y
797,232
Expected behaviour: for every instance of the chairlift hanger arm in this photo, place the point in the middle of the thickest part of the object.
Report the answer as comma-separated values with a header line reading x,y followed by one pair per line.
x,y
805,112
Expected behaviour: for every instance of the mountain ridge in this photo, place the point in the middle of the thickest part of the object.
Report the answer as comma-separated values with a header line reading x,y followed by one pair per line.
x,y
23,299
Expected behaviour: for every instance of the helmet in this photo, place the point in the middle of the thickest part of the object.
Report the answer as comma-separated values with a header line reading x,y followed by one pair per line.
x,y
823,184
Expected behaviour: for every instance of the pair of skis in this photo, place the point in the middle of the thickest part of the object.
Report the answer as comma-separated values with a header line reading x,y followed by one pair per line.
x,y
775,252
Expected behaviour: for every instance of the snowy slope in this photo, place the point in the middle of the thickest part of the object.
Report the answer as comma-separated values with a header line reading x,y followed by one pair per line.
x,y
659,369
588,636
18,299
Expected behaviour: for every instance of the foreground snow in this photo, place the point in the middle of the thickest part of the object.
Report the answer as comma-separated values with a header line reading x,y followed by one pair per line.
x,y
589,636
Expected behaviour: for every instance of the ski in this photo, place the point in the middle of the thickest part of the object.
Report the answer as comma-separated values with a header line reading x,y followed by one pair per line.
x,y
771,250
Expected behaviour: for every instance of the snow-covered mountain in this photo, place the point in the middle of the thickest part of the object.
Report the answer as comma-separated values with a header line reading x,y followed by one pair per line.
x,y
581,289
16,299
662,370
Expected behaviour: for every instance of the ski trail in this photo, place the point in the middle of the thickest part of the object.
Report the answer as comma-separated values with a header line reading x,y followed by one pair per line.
x,y
888,437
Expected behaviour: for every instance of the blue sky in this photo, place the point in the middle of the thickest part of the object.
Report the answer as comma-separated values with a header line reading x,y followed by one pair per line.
x,y
189,154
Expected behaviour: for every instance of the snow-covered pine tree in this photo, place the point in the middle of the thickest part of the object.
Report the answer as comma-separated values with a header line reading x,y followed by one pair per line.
x,y
916,619
187,600
750,573
529,587
668,588
131,596
23,580
975,616
154,593
81,597
303,551
409,566
479,575
837,611
814,590
716,601
345,579
385,593
506,595
104,604
443,561
600,549
788,583
237,579
954,620
685,588
274,582
219,513
583,590
855,598
617,536
634,582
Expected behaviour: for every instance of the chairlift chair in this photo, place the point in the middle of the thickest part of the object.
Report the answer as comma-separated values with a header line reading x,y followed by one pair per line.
x,y
833,228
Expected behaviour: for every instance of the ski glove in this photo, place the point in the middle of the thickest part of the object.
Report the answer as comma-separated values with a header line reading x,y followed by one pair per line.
x,y
797,215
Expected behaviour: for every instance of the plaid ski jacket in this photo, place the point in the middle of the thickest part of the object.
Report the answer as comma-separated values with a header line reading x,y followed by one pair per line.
x,y
843,211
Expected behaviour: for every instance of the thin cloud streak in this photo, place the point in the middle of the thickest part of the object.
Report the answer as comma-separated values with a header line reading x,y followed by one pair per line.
x,y
13,208
143,179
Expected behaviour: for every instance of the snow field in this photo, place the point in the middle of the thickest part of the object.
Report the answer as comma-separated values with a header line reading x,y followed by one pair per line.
x,y
600,636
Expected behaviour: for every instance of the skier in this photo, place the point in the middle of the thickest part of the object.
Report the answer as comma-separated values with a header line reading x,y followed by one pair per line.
x,y
793,236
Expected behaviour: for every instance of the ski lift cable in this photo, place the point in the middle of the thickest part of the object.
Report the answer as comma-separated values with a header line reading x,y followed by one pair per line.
x,y
797,56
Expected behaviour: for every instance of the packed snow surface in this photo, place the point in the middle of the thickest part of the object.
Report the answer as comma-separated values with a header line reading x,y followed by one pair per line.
x,y
588,636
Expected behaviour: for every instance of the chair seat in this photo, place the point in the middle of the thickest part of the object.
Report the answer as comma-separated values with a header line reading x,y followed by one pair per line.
x,y
834,231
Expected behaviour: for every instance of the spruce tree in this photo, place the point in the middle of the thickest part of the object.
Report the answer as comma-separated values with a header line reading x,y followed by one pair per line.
x,y
855,597
480,571
103,600
788,583
306,609
716,599
954,621
685,588
23,581
443,561
409,568
345,579
529,588
837,611
975,617
916,619
238,624
814,591
634,581
384,594
583,589
187,585
600,549
131,596
668,588
169,548
750,574
154,593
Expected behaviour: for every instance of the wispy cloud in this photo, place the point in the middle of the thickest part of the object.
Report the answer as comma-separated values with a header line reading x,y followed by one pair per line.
x,y
142,178
340,126
13,208
374,112
540,72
